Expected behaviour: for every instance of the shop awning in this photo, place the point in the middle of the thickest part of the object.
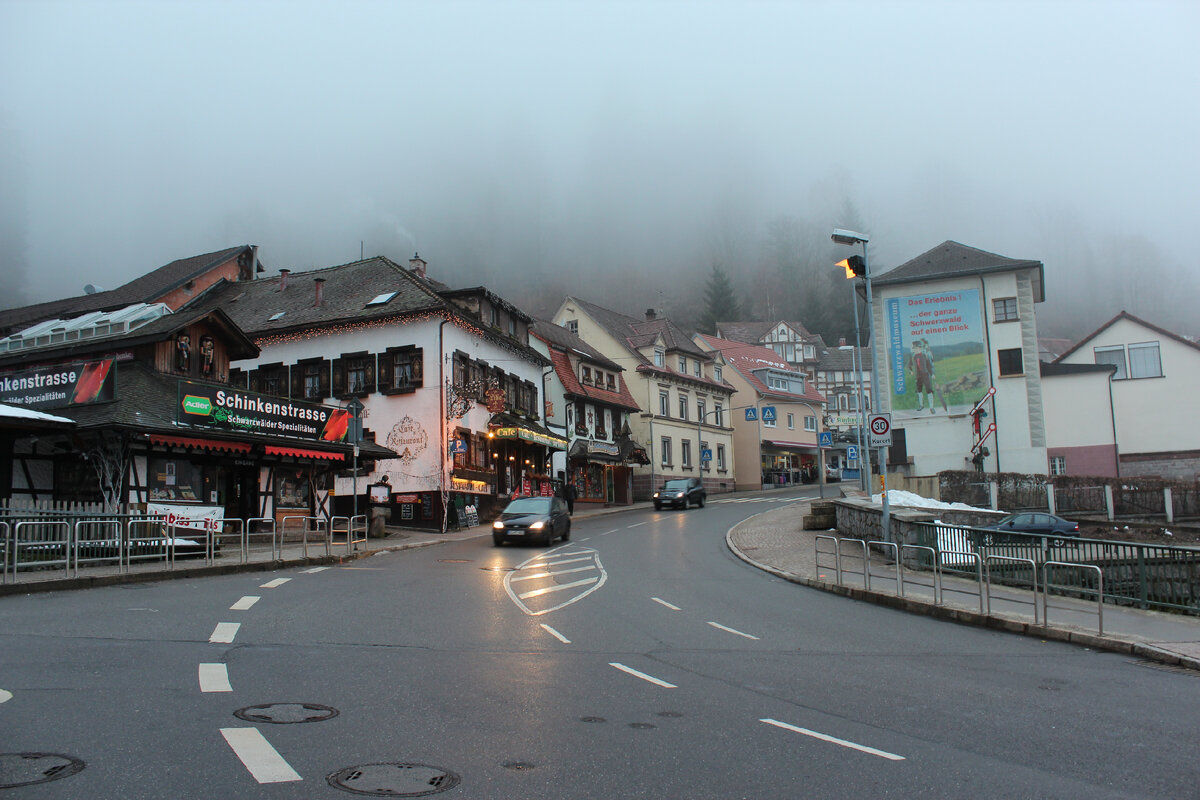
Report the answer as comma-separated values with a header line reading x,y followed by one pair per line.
x,y
220,445
791,445
300,452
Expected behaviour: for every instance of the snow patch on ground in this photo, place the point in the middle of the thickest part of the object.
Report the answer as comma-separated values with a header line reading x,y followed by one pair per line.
x,y
910,500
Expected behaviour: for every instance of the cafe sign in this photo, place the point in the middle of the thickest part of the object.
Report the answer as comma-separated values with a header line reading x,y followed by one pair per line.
x,y
60,385
529,436
229,409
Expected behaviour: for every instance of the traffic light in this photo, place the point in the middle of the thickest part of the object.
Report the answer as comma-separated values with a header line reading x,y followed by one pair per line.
x,y
855,267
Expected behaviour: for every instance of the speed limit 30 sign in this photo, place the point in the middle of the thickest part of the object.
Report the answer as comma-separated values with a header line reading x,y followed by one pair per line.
x,y
879,430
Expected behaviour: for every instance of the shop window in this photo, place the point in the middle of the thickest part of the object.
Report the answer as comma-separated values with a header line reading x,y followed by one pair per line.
x,y
1010,361
1004,309
175,480
75,481
291,489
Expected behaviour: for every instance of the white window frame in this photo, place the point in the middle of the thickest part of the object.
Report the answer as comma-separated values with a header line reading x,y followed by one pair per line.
x,y
665,447
664,403
721,457
683,405
716,373
660,358
1147,347
685,453
1058,465
1122,366
791,422
810,423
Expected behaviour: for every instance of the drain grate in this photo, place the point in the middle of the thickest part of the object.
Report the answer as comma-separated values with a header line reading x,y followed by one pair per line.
x,y
26,769
393,780
286,713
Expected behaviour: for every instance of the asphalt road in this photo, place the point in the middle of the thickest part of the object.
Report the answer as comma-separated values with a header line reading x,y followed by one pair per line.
x,y
640,659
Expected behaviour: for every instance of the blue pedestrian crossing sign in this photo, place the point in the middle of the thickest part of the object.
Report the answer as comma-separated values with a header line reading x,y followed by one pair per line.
x,y
706,454
768,413
852,452
825,439
751,414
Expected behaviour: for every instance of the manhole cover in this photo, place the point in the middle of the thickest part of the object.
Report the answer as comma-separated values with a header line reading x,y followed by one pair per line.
x,y
26,769
286,713
393,780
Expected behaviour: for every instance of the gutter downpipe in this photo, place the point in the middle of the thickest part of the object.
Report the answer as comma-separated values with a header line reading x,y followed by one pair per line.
x,y
442,389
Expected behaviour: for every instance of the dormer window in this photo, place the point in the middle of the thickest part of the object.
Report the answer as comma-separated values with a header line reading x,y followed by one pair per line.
x,y
573,326
716,373
587,375
683,365
697,369
610,381
660,358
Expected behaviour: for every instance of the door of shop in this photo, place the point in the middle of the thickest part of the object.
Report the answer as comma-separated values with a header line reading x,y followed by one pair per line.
x,y
241,492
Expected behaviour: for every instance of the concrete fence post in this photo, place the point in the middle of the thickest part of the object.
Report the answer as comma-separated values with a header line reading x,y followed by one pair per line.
x,y
994,495
1050,498
1168,504
1108,502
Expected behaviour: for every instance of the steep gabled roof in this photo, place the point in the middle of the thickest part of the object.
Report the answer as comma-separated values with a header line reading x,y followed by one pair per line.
x,y
837,358
951,260
145,289
1137,321
558,336
746,358
755,332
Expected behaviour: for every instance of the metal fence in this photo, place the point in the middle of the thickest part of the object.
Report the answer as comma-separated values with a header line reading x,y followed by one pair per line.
x,y
1070,499
37,545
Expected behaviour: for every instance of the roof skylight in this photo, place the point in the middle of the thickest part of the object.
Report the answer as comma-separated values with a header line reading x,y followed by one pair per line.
x,y
380,299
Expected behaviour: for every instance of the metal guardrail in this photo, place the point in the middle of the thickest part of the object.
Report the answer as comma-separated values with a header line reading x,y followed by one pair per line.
x,y
837,556
864,560
988,560
935,584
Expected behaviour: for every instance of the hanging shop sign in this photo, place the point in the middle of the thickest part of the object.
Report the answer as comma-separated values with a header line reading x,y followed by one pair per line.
x,y
60,385
234,410
495,400
604,447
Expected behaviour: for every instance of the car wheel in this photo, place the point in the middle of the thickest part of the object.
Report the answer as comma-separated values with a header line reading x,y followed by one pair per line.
x,y
701,503
549,537
566,537
498,540
658,506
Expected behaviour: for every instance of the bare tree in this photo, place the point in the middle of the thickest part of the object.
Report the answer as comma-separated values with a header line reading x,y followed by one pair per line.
x,y
108,452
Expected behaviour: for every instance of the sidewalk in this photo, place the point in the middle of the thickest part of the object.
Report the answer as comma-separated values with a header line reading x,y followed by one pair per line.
x,y
774,541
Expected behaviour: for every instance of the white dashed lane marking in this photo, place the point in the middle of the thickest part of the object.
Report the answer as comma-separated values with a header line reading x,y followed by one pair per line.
x,y
834,740
637,525
214,678
224,632
311,571
719,626
258,756
245,603
556,634
275,583
642,675
5,696
660,601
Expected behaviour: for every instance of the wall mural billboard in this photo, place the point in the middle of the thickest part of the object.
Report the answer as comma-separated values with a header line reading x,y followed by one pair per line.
x,y
936,357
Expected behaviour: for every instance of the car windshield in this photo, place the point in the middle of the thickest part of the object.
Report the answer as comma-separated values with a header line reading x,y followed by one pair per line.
x,y
529,505
676,485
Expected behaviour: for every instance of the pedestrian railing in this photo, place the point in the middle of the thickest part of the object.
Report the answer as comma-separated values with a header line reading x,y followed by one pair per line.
x,y
1052,567
914,554
261,530
836,566
891,556
861,555
958,561
1012,575
97,541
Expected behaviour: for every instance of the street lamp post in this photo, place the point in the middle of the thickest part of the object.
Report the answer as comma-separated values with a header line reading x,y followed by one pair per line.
x,y
841,236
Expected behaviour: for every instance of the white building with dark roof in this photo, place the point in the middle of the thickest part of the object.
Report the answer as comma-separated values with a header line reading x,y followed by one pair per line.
x,y
952,324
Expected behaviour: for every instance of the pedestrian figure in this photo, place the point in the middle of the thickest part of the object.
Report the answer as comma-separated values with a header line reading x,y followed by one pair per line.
x,y
571,494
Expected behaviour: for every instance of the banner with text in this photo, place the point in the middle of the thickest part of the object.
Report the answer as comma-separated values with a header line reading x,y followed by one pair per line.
x,y
937,363
60,385
235,410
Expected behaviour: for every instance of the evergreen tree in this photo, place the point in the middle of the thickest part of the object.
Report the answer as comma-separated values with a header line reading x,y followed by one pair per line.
x,y
720,301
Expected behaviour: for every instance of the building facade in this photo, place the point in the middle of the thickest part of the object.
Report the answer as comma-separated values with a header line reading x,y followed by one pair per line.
x,y
684,425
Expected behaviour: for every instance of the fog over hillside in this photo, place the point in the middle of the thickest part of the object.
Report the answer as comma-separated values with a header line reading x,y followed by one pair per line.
x,y
616,151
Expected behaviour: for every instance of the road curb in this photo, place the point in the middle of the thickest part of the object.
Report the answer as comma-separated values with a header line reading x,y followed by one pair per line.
x,y
997,622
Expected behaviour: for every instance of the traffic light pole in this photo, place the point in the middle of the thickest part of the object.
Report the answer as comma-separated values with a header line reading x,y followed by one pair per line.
x,y
885,516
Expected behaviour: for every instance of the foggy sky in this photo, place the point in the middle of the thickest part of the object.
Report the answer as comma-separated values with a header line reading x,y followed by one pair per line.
x,y
522,142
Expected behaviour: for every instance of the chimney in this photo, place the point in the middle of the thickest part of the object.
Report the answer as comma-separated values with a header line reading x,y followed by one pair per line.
x,y
283,273
320,284
650,315
417,265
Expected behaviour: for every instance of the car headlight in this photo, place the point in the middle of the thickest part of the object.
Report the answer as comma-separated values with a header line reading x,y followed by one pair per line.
x,y
498,525
678,495
656,495
537,526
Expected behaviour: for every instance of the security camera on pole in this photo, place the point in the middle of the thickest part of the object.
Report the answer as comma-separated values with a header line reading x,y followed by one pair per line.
x,y
858,266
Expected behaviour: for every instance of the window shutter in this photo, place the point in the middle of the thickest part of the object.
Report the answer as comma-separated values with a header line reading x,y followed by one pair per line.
x,y
297,381
387,375
255,383
324,379
339,377
370,373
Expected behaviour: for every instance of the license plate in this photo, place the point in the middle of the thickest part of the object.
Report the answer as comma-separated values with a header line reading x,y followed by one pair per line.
x,y
511,532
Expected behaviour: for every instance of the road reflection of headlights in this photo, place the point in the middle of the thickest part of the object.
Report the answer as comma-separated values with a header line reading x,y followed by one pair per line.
x,y
498,525
537,526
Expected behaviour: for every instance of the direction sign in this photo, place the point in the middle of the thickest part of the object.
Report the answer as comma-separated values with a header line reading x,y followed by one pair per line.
x,y
879,430
852,452
825,438
751,414
768,413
